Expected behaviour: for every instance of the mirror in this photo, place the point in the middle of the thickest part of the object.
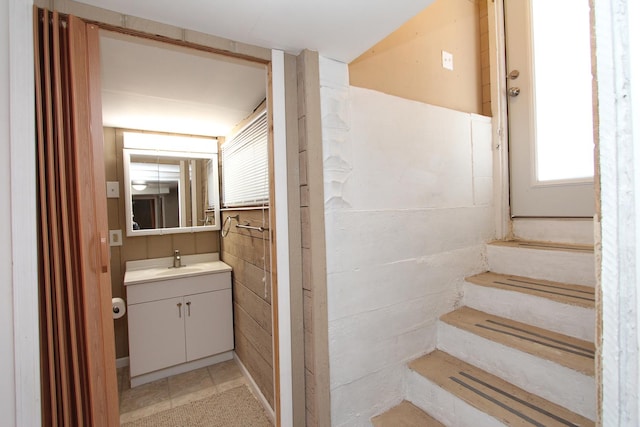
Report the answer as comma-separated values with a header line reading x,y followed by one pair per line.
x,y
169,191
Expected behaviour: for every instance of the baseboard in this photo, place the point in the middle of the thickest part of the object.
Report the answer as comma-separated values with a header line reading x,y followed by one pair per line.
x,y
122,362
256,390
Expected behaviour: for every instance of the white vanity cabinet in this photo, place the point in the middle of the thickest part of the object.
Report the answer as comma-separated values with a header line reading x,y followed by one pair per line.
x,y
178,324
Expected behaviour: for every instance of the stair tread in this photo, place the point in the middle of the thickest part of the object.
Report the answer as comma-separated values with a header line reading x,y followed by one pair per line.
x,y
492,395
405,414
552,246
567,351
583,296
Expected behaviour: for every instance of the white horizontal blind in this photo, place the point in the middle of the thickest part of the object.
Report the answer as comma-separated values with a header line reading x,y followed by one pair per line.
x,y
245,168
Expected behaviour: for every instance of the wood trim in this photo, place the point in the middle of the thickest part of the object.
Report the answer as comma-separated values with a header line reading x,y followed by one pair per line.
x,y
176,42
102,222
295,242
318,264
91,220
498,76
273,247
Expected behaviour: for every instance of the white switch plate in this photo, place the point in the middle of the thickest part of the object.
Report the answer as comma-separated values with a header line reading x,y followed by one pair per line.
x,y
113,189
115,237
447,60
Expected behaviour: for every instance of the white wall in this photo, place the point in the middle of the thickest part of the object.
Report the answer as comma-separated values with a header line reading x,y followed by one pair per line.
x,y
408,194
7,400
19,363
618,70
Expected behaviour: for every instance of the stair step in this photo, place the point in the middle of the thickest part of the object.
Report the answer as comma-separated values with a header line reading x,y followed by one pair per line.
x,y
582,296
485,392
554,366
405,414
559,307
567,351
568,263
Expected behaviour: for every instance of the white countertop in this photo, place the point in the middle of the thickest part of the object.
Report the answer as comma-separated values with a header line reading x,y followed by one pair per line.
x,y
158,269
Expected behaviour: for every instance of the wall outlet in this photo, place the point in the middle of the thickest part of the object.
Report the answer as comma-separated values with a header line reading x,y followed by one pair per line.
x,y
115,237
447,60
113,189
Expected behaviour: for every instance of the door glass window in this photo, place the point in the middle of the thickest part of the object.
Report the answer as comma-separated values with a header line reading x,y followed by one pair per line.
x,y
563,97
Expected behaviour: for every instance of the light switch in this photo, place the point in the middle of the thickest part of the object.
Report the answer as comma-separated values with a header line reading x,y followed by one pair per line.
x,y
113,189
115,237
447,60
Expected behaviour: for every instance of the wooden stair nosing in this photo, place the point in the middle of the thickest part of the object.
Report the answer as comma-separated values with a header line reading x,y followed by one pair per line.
x,y
578,295
406,414
570,352
492,395
550,246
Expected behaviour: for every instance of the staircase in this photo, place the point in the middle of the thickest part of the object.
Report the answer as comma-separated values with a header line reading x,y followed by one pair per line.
x,y
519,352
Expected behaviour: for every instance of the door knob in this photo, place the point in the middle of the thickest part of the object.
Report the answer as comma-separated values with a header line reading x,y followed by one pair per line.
x,y
514,74
514,91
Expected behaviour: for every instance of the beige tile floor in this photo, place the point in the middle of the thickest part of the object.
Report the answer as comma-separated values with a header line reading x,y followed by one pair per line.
x,y
160,395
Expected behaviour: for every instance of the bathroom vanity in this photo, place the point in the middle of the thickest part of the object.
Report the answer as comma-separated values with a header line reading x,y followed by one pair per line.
x,y
179,319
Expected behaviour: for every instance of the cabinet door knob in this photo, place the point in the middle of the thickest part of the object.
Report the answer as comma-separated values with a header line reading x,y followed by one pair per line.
x,y
179,309
189,308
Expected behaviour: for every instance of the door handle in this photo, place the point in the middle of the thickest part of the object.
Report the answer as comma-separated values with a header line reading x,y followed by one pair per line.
x,y
514,91
189,308
179,309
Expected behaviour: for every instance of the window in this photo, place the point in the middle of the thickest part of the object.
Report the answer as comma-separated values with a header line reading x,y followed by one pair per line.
x,y
245,168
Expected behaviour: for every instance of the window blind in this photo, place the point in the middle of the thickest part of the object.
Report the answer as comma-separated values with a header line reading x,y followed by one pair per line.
x,y
245,168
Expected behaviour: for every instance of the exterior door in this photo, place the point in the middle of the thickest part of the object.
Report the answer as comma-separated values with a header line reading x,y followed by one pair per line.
x,y
549,87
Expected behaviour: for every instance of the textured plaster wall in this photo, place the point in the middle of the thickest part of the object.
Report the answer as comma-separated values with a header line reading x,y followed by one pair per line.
x,y
408,206
618,75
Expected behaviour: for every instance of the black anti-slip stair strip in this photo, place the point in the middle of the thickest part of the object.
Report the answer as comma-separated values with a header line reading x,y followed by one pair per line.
x,y
544,291
576,347
504,401
496,402
534,341
517,399
529,282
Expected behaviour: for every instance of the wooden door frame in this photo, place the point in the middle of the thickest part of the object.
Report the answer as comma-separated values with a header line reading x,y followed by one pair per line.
x,y
279,138
500,124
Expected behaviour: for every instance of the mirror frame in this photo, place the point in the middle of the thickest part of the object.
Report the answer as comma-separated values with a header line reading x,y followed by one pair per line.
x,y
198,148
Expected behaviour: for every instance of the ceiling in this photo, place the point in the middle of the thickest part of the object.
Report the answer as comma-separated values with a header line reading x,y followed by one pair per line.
x,y
153,86
337,29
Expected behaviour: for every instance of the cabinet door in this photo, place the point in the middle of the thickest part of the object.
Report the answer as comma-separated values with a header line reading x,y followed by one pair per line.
x,y
156,335
208,324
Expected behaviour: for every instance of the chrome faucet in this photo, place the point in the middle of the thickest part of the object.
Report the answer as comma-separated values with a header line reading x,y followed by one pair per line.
x,y
177,260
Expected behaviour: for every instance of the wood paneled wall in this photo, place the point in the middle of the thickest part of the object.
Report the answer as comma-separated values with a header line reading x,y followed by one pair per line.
x,y
314,272
139,247
485,70
247,252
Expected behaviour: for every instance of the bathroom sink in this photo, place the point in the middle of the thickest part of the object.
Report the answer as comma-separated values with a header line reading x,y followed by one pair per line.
x,y
180,271
160,269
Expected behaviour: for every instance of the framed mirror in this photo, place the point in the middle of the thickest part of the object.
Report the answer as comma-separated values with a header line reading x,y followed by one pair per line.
x,y
171,184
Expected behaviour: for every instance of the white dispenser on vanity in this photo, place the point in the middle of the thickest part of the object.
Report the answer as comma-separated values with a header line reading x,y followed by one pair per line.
x,y
180,315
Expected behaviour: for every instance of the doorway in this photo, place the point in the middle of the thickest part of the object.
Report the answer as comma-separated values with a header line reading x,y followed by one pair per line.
x,y
550,108
199,84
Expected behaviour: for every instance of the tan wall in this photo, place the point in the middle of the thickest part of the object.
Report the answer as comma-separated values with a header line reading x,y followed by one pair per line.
x,y
139,247
247,252
485,71
408,63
